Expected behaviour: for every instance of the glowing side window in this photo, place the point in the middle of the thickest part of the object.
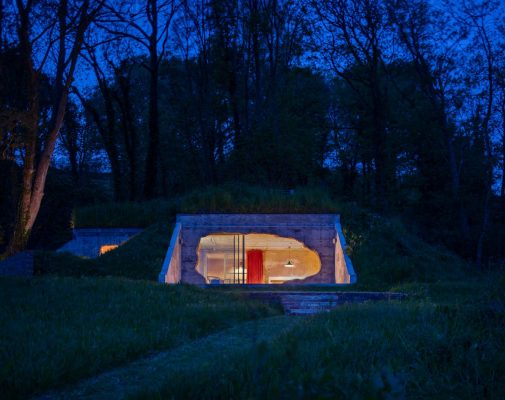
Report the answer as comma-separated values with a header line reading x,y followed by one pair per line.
x,y
108,247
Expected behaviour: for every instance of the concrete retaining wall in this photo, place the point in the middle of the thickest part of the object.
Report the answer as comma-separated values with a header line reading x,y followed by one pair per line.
x,y
344,270
171,269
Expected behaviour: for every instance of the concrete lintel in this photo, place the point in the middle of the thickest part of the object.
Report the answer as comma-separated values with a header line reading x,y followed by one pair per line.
x,y
256,220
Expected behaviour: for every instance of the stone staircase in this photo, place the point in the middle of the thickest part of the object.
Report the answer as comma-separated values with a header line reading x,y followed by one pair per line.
x,y
309,302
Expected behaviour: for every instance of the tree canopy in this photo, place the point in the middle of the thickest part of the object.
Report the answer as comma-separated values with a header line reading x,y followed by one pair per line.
x,y
396,104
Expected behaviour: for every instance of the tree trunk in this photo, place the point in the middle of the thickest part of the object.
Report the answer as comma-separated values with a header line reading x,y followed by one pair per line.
x,y
74,165
379,131
151,172
379,154
502,193
439,107
129,132
21,231
486,211
108,135
1,24
255,16
455,188
234,99
32,194
22,226
153,146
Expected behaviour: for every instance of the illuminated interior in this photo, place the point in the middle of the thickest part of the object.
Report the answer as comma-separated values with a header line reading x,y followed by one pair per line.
x,y
107,247
254,259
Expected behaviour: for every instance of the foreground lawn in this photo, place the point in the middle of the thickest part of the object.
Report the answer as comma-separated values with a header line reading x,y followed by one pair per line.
x,y
58,330
152,373
437,345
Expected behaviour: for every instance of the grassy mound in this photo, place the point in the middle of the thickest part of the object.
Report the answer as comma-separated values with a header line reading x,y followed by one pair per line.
x,y
223,199
58,330
248,199
384,251
139,258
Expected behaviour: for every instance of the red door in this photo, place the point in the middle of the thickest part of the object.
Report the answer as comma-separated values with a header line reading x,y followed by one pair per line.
x,y
254,266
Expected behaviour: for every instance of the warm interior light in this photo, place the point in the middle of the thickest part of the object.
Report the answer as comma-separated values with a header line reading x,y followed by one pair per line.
x,y
108,247
217,259
289,264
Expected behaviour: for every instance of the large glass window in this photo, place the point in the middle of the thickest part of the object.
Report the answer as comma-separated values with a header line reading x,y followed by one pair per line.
x,y
255,259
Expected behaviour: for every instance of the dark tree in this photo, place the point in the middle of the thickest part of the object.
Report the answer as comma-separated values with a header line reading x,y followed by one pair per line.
x,y
61,27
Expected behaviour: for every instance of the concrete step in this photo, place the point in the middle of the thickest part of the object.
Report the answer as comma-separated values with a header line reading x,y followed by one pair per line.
x,y
308,303
312,306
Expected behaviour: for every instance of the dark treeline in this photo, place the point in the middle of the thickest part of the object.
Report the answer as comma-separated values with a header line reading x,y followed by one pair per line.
x,y
396,104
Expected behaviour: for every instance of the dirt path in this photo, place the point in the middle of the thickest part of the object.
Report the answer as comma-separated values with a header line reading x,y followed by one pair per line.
x,y
150,373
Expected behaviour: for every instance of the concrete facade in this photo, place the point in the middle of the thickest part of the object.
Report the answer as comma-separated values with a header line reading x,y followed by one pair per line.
x,y
86,242
318,232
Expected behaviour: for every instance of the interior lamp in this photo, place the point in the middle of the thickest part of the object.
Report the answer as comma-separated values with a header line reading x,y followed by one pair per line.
x,y
289,264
